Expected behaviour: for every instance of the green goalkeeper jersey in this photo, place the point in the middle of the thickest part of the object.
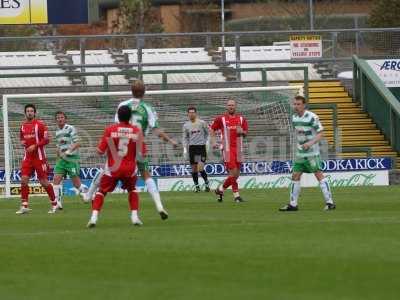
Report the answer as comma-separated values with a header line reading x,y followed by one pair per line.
x,y
143,115
306,128
65,137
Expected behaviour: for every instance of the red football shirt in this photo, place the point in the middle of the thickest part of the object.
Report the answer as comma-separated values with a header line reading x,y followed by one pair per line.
x,y
34,132
228,125
121,141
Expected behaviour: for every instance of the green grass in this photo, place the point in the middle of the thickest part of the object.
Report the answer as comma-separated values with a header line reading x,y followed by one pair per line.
x,y
206,250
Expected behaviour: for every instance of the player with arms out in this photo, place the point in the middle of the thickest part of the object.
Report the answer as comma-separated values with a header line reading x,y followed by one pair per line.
x,y
67,140
195,137
34,137
309,132
233,128
122,142
144,117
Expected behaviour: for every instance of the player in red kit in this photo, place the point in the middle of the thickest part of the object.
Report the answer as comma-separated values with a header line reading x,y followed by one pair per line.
x,y
34,137
233,128
123,144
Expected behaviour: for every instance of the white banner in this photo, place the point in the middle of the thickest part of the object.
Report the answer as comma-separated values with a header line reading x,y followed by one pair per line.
x,y
305,46
336,179
388,71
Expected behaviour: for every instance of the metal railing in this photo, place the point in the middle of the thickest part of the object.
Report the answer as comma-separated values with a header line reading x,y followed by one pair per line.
x,y
376,99
338,44
164,74
333,107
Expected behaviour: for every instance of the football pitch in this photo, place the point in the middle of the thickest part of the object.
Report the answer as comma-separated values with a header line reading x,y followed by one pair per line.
x,y
206,250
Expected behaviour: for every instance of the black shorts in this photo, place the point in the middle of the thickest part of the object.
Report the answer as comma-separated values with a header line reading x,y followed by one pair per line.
x,y
197,153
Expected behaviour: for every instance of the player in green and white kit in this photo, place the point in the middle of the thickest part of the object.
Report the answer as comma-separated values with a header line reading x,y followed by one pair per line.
x,y
309,132
145,117
68,158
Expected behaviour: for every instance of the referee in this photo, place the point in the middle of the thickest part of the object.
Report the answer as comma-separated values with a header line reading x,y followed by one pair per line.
x,y
195,136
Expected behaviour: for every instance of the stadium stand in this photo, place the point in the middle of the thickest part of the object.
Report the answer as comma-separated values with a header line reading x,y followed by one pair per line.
x,y
177,55
32,58
270,53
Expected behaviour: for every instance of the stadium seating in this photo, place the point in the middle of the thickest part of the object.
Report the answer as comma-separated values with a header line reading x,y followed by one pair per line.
x,y
32,58
169,55
162,55
97,57
270,53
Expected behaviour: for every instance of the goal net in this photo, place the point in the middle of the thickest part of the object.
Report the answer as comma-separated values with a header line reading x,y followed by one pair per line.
x,y
267,110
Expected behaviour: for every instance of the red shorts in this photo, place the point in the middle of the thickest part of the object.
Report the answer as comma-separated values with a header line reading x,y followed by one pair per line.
x,y
41,167
232,160
233,164
108,183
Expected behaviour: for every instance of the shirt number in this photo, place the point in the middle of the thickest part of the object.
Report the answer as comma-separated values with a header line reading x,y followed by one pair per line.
x,y
123,147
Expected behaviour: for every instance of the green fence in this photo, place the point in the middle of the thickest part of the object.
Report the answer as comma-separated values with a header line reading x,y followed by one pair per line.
x,y
165,74
377,100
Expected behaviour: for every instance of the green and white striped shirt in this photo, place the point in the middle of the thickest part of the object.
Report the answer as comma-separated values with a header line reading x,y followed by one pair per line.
x,y
65,137
306,128
144,115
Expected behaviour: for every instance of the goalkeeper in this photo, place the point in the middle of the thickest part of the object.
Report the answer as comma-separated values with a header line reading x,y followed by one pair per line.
x,y
195,138
145,117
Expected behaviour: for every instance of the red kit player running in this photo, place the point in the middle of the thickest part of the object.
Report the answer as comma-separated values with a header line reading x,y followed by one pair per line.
x,y
34,136
233,128
121,142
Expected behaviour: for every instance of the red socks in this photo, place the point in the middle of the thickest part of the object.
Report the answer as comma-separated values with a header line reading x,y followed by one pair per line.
x,y
228,182
24,195
231,181
98,201
235,186
133,200
50,192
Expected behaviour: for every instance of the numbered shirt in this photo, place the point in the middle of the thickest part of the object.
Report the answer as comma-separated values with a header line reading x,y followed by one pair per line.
x,y
143,115
306,128
65,137
122,143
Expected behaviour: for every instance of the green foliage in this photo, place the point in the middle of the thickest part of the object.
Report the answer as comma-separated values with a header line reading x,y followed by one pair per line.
x,y
291,23
385,13
17,30
138,16
295,23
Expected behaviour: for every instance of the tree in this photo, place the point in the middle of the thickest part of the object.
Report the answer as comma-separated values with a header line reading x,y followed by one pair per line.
x,y
385,13
138,16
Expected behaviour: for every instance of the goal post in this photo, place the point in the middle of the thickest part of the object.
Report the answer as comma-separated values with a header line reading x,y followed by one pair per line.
x,y
92,111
